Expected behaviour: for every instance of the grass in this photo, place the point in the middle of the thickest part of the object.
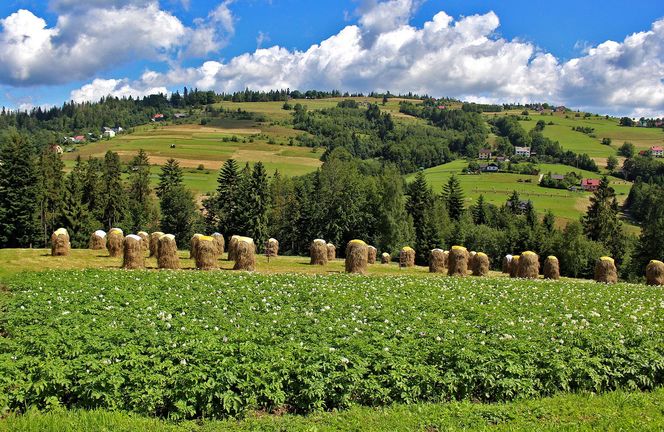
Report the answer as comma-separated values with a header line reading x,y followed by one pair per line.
x,y
209,146
616,411
497,187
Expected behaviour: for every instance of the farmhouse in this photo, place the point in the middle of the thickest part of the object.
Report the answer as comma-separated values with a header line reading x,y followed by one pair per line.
x,y
522,151
590,185
56,149
491,167
485,154
108,132
657,151
157,117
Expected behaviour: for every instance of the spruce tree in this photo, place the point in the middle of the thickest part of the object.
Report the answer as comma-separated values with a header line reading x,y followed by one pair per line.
x,y
395,227
602,220
549,221
92,189
115,201
514,203
52,192
453,197
142,209
257,200
479,212
19,192
651,241
178,208
76,217
228,195
531,215
420,206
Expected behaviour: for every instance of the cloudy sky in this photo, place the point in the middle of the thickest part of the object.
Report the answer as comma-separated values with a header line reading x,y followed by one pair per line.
x,y
603,56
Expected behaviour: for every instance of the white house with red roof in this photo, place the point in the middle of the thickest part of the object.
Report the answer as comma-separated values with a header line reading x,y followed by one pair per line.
x,y
657,151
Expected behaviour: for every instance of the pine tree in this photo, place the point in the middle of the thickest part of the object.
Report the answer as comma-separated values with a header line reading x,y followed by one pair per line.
x,y
142,208
479,212
115,201
602,221
178,208
549,221
395,227
651,241
76,217
257,200
226,209
514,203
420,206
52,192
531,215
453,197
92,189
19,192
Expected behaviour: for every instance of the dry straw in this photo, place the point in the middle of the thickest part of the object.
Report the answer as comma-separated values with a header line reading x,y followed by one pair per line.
x,y
154,243
437,261
231,247
167,257
133,257
458,261
245,254
372,254
481,264
528,265
514,266
507,262
98,240
385,258
331,252
206,253
193,245
447,258
145,239
407,257
605,270
551,268
272,247
219,243
655,273
115,242
318,252
357,257
60,244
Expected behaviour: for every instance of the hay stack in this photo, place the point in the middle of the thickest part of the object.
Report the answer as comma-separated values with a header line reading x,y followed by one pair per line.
x,y
272,247
98,240
154,243
458,261
407,257
167,257
318,252
372,254
357,257
514,266
133,257
481,264
219,243
528,266
193,245
551,268
115,242
245,254
437,261
447,258
655,273
231,247
605,270
145,239
60,244
507,262
205,252
385,258
331,252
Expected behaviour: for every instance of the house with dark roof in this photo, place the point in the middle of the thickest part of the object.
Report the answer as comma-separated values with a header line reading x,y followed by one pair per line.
x,y
485,154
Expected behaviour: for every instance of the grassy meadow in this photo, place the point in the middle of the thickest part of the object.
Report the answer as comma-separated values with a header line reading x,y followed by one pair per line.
x,y
497,187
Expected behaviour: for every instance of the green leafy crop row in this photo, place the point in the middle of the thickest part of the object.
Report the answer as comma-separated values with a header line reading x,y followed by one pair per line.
x,y
191,344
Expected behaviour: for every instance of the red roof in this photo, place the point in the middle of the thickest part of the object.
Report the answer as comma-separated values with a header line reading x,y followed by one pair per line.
x,y
79,138
590,182
156,116
442,107
657,148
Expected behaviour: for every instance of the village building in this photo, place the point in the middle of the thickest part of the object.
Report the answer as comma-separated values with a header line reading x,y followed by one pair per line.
x,y
590,185
485,154
522,151
108,132
657,151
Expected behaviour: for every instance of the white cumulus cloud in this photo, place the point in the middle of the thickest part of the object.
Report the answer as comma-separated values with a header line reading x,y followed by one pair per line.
x,y
463,58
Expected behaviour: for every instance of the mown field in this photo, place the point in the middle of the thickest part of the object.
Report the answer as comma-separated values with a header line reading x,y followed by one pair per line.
x,y
190,345
497,188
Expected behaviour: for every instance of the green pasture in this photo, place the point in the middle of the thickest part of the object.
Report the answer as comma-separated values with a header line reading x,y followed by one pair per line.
x,y
497,187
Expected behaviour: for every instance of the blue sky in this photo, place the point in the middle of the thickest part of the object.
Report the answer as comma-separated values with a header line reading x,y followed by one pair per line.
x,y
480,50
